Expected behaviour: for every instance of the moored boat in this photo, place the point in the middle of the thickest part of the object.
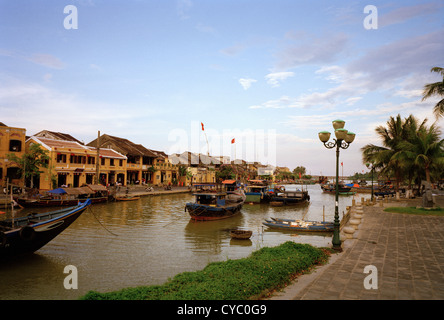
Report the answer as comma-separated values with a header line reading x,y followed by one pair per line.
x,y
241,234
127,198
64,196
257,192
215,206
28,234
331,188
299,225
280,197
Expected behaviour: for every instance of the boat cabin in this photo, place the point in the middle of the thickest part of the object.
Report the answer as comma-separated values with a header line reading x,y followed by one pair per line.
x,y
211,199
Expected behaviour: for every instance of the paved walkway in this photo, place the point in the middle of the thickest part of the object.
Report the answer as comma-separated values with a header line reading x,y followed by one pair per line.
x,y
407,250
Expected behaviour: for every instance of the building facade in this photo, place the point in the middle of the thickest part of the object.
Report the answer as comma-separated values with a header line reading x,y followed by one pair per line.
x,y
73,164
12,141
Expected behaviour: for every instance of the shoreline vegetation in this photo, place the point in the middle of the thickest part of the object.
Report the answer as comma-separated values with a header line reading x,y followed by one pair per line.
x,y
254,277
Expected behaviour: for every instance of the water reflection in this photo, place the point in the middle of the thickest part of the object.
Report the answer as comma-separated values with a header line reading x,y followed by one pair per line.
x,y
147,241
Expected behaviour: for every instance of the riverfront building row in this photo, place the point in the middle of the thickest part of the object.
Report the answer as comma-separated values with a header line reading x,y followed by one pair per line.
x,y
72,163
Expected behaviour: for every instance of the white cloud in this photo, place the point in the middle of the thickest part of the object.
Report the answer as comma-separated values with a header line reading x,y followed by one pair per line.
x,y
274,79
404,13
312,51
282,102
246,83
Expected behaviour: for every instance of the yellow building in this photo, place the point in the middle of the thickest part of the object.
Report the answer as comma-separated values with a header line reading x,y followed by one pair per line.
x,y
73,164
12,141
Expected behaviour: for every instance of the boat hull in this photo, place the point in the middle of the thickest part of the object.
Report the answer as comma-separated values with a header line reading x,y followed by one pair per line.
x,y
201,212
30,234
293,225
57,202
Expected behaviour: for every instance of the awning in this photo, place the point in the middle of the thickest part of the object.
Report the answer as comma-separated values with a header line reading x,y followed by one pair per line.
x,y
86,190
229,181
74,191
97,187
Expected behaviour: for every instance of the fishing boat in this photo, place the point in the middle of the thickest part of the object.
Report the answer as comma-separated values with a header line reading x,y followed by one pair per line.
x,y
281,197
240,234
299,225
28,234
215,206
331,188
127,198
257,192
66,197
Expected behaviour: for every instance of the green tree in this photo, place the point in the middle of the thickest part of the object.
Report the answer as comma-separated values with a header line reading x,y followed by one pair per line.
x,y
423,150
30,163
382,156
436,89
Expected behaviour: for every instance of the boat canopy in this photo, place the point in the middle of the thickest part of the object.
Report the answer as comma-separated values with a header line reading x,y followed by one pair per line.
x,y
57,191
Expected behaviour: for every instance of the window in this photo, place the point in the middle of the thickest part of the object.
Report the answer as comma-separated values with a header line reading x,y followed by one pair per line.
x,y
15,145
77,159
111,162
102,162
61,158
120,163
91,160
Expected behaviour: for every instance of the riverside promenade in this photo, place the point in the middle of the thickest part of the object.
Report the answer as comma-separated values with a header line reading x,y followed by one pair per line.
x,y
407,251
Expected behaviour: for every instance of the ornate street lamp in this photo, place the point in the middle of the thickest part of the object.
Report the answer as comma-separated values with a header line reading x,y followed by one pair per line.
x,y
343,139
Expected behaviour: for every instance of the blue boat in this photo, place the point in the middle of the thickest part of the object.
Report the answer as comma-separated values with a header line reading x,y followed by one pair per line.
x,y
215,205
299,225
257,192
28,234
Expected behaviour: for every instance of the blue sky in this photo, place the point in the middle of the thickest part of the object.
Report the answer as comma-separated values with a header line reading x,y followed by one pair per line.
x,y
151,71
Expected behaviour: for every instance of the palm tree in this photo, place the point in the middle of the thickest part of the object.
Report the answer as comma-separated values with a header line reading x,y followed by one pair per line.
x,y
436,88
383,157
424,149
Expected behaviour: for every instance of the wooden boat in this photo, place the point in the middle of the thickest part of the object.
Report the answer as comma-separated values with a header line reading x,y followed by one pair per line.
x,y
127,198
331,188
284,197
215,206
257,192
67,197
299,225
30,233
241,234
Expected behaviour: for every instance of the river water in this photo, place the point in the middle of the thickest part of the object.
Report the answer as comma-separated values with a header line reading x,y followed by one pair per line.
x,y
146,242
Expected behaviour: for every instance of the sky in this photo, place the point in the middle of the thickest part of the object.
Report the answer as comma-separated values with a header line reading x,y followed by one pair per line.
x,y
269,74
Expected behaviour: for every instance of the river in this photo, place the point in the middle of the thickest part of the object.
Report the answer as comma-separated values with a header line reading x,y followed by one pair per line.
x,y
146,242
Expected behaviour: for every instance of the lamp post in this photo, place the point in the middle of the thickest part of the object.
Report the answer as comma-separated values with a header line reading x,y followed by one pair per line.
x,y
343,139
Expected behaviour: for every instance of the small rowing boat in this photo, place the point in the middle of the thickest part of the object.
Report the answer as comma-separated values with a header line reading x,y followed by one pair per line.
x,y
241,234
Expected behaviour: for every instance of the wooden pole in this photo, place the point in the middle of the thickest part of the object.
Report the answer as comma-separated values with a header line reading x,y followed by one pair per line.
x,y
97,180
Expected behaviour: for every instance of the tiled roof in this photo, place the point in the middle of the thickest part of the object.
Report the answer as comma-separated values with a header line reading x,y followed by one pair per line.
x,y
124,146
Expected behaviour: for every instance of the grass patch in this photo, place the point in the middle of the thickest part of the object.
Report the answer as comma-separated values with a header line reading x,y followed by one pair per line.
x,y
413,210
248,278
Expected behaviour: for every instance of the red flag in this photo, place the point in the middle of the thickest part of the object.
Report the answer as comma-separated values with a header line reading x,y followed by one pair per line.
x,y
232,141
342,163
300,175
202,126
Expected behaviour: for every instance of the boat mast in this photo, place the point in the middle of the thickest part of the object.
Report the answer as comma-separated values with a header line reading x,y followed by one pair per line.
x,y
97,180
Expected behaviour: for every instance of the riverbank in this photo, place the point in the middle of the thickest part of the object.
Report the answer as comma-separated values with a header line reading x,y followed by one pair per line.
x,y
253,277
403,250
143,191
